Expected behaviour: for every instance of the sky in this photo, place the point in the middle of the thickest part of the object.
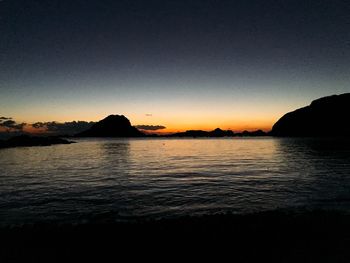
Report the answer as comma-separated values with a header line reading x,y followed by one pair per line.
x,y
237,64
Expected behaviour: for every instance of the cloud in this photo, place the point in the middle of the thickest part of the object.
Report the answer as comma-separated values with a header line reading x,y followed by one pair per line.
x,y
5,118
149,114
11,125
66,128
150,127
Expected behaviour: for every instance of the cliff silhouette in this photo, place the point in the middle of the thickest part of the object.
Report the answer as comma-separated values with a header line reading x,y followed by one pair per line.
x,y
112,126
327,116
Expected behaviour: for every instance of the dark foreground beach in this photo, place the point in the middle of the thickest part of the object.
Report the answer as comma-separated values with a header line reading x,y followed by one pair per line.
x,y
279,236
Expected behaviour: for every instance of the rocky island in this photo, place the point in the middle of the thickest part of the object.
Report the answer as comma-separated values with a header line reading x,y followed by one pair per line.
x,y
112,126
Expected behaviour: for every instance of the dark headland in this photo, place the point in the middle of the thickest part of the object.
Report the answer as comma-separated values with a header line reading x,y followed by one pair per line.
x,y
28,141
327,116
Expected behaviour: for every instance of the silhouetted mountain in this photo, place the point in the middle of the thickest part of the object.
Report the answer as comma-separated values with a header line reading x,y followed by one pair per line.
x,y
190,133
112,126
220,133
256,133
327,116
25,140
199,133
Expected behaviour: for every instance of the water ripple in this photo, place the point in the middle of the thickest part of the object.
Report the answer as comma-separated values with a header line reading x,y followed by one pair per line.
x,y
127,178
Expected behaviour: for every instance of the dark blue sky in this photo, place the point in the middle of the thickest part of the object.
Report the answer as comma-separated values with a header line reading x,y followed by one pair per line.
x,y
238,63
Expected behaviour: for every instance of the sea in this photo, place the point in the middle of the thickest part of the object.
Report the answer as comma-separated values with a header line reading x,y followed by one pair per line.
x,y
123,179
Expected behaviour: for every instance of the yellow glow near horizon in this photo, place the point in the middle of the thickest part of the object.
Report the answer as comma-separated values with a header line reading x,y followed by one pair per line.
x,y
176,116
178,123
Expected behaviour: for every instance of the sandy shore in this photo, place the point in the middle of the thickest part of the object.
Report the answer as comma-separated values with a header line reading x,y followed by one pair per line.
x,y
313,236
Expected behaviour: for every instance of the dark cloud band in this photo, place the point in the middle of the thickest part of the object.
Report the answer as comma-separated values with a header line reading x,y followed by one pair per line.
x,y
5,118
150,127
11,124
67,128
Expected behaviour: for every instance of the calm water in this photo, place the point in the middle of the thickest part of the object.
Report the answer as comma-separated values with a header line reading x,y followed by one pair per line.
x,y
123,179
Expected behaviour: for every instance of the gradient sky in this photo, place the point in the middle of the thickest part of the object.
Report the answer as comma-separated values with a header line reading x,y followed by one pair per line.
x,y
182,64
